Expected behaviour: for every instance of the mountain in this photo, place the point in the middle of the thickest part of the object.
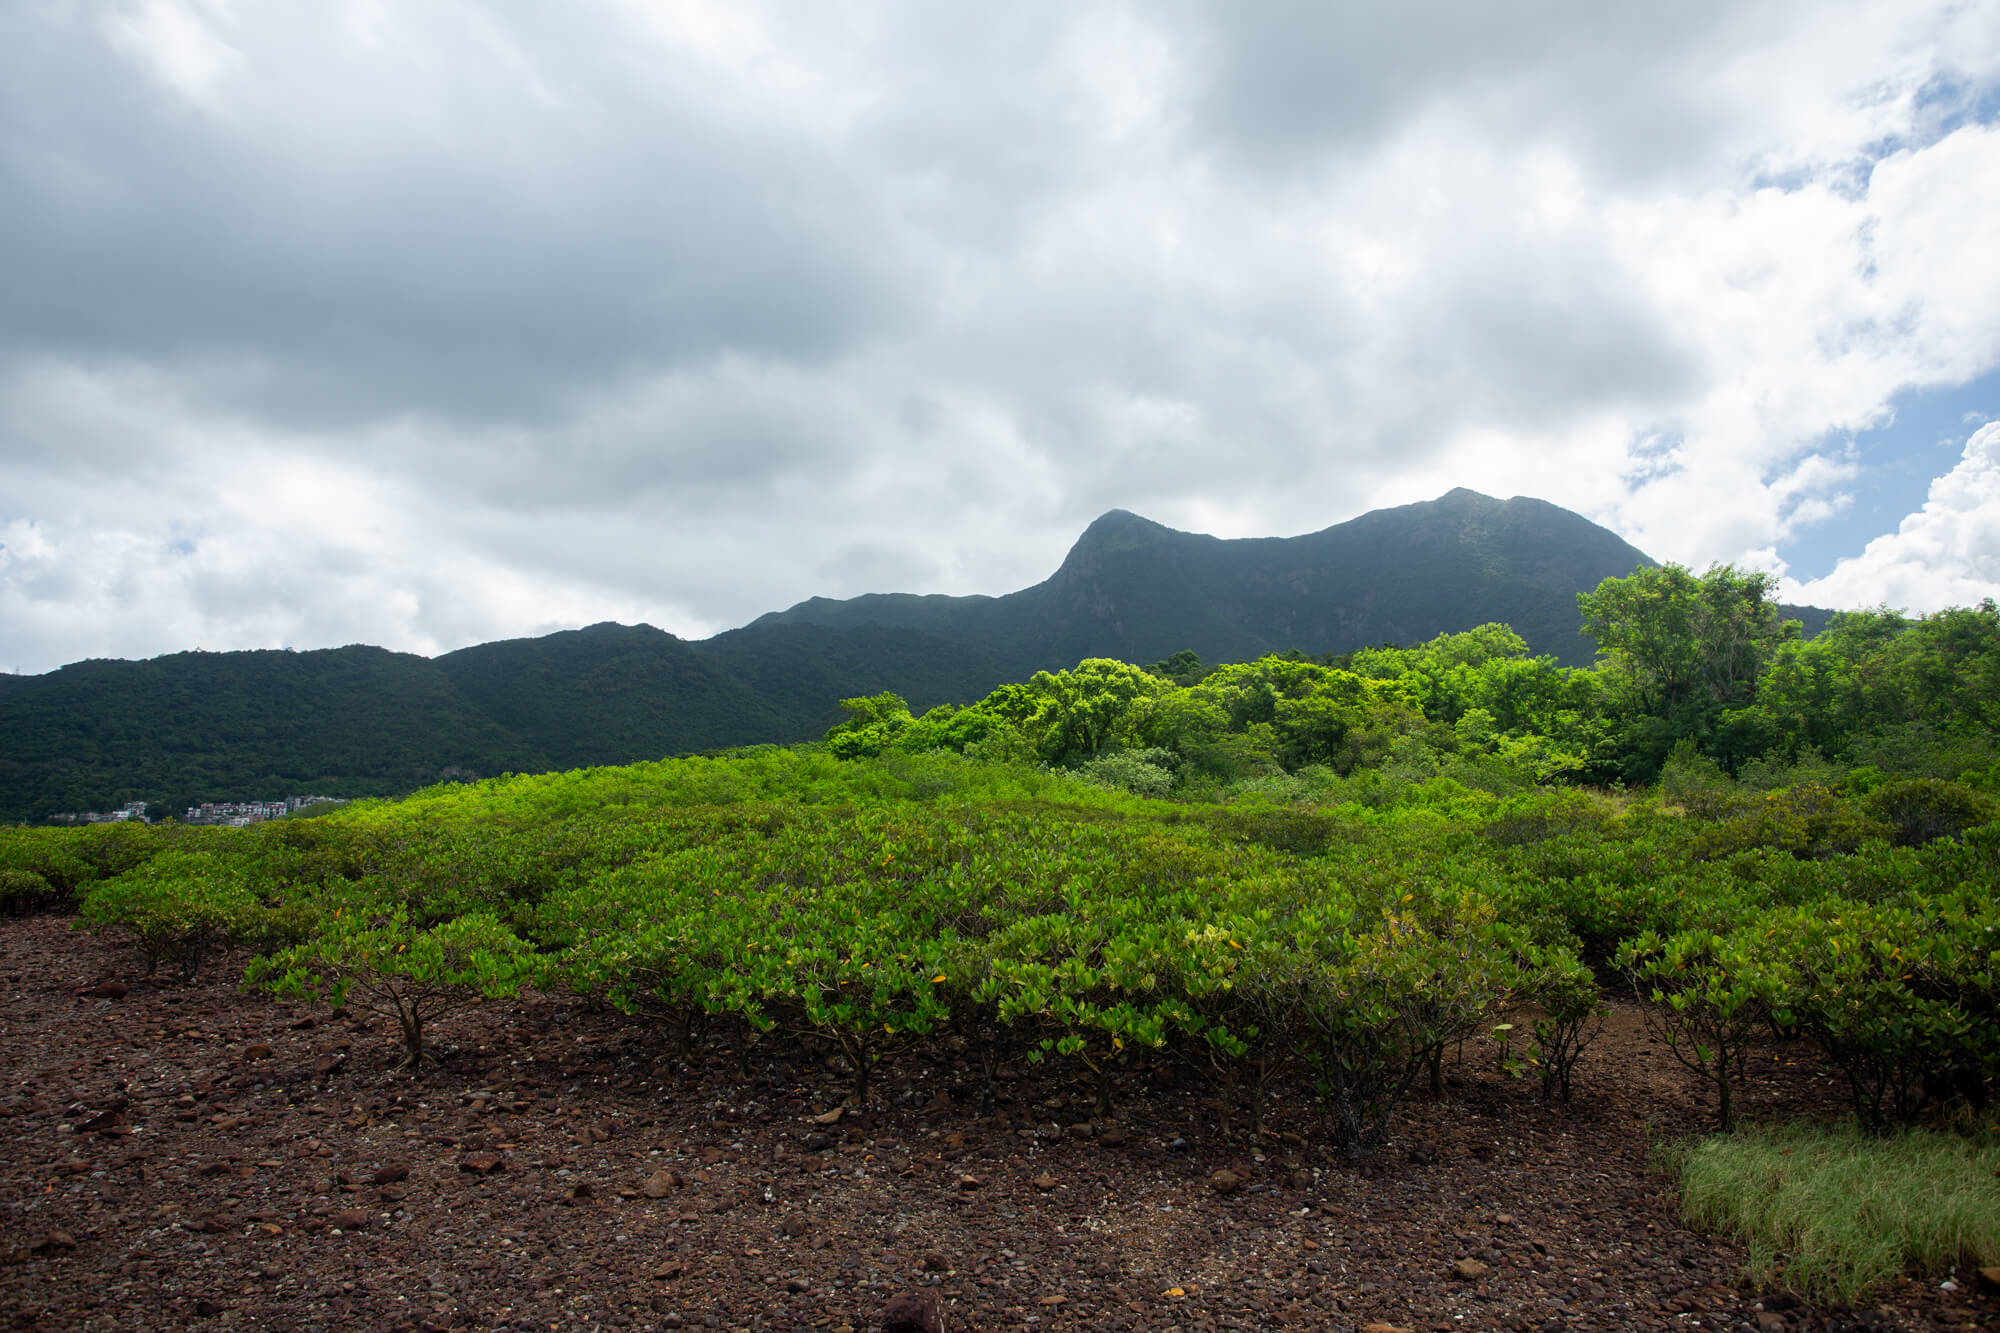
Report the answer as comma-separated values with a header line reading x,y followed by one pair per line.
x,y
1133,589
364,721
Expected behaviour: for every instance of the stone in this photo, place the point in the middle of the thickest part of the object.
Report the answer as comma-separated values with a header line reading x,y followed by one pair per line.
x,y
329,1063
669,1269
109,990
482,1163
818,1143
1112,1136
934,1261
793,1225
1770,1321
57,1239
350,1219
1379,1327
1470,1270
1503,1219
1225,1182
912,1312
971,1183
831,1117
797,1285
661,1183
391,1174
1045,1181
257,1050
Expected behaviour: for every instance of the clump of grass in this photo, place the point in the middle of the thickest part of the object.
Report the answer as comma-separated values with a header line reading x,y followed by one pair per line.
x,y
1835,1214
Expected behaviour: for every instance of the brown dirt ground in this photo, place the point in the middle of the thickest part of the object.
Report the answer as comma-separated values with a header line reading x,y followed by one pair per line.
x,y
188,1156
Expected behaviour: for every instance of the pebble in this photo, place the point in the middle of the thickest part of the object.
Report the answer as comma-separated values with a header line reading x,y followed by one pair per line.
x,y
1470,1270
482,1163
912,1312
391,1174
662,1183
350,1219
1225,1182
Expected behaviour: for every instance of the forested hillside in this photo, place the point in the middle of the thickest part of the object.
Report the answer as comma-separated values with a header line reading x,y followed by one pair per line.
x,y
361,721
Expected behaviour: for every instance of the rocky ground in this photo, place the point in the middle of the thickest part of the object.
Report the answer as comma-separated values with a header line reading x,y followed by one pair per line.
x,y
187,1156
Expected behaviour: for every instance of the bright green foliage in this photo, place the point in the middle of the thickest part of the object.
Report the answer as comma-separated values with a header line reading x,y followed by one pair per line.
x,y
408,972
1711,994
1905,997
182,907
1081,711
1572,1014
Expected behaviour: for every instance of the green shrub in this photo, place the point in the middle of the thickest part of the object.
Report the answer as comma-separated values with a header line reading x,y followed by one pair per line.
x,y
401,971
1921,810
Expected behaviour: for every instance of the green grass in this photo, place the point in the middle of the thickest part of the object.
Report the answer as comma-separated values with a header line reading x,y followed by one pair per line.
x,y
1834,1215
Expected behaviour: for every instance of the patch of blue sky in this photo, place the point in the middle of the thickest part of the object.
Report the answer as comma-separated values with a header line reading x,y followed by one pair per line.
x,y
1923,439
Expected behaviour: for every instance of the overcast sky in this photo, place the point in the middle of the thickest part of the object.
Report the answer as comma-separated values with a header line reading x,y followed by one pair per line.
x,y
331,321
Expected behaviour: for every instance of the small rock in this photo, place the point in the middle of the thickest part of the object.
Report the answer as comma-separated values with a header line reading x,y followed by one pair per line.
x,y
257,1051
329,1063
1112,1136
669,1270
1503,1219
109,990
75,1166
797,1285
912,1312
1225,1182
971,1183
1770,1321
934,1261
349,1219
481,1163
1469,1270
57,1239
793,1225
831,1117
1045,1181
391,1174
1385,1328
1300,1179
1177,1145
1051,1302
818,1143
661,1183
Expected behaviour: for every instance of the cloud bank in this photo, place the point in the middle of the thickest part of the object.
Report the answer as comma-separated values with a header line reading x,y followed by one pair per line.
x,y
425,325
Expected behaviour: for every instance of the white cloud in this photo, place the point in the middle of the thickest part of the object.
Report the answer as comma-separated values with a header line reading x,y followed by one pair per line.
x,y
451,322
1945,554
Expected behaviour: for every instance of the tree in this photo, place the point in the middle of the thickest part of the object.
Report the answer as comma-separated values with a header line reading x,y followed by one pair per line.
x,y
1683,639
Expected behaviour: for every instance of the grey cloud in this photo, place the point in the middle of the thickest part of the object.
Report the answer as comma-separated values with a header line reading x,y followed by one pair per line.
x,y
545,251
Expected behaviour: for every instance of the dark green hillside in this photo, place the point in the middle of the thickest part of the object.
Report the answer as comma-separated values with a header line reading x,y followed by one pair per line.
x,y
610,694
358,721
804,671
1133,589
215,726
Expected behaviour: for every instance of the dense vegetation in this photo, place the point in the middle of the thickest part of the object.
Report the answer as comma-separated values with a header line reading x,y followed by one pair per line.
x,y
1302,877
362,722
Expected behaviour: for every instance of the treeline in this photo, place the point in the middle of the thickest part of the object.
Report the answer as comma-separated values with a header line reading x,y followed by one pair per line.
x,y
1697,672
